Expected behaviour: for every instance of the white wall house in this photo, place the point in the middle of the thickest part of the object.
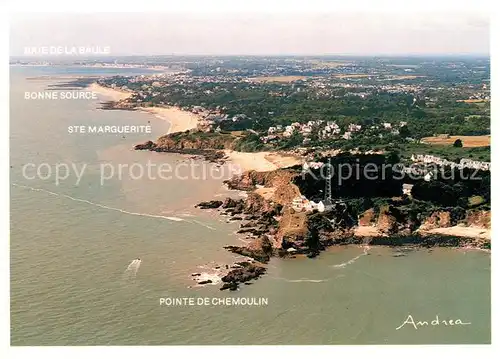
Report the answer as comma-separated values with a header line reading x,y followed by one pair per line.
x,y
301,203
325,206
407,189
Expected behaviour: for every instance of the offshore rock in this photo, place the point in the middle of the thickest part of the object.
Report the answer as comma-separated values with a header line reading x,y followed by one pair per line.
x,y
246,272
209,204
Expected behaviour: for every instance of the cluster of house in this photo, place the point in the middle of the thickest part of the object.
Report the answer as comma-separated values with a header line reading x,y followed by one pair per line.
x,y
352,128
482,94
311,165
468,163
324,86
302,204
210,123
278,131
464,162
476,97
324,130
331,129
305,129
210,120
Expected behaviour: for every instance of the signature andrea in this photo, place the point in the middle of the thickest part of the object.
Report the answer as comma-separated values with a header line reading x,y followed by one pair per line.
x,y
435,322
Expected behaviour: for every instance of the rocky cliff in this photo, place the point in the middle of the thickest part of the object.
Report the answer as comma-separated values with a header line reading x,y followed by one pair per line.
x,y
273,228
195,141
208,145
292,232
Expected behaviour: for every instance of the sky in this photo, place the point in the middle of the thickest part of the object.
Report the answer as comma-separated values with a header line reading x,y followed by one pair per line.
x,y
327,33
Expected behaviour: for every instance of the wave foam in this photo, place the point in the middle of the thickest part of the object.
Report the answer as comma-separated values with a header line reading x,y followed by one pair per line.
x,y
170,218
351,261
204,276
133,268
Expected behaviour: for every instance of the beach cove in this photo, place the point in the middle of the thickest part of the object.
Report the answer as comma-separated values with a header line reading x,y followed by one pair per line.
x,y
178,119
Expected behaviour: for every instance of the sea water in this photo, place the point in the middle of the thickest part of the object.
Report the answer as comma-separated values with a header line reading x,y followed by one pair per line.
x,y
71,243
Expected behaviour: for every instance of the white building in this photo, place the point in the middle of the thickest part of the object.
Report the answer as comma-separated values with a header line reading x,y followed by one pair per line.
x,y
464,162
314,165
301,203
306,130
407,189
331,129
269,138
354,128
289,130
325,206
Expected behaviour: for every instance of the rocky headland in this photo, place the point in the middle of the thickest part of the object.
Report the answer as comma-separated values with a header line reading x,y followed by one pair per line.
x,y
364,211
208,146
273,228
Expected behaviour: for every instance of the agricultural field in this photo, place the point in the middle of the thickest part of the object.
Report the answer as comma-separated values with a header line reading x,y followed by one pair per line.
x,y
282,79
480,100
467,141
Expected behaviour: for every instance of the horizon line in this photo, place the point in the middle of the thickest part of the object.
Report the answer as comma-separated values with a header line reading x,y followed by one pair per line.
x,y
431,54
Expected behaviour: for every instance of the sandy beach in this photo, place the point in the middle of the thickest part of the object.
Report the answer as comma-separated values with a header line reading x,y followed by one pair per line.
x,y
111,94
460,231
261,161
179,120
367,231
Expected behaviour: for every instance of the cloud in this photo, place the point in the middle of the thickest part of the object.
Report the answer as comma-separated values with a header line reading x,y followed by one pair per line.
x,y
360,33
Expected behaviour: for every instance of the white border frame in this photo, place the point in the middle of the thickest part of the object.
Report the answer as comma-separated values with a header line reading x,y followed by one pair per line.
x,y
228,6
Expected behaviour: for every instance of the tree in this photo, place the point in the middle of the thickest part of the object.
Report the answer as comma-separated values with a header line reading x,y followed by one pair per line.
x,y
392,157
458,143
293,141
404,132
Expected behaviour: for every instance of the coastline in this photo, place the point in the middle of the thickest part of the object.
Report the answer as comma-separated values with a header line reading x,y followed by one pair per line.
x,y
158,68
455,231
263,223
261,161
265,236
113,94
461,231
180,120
